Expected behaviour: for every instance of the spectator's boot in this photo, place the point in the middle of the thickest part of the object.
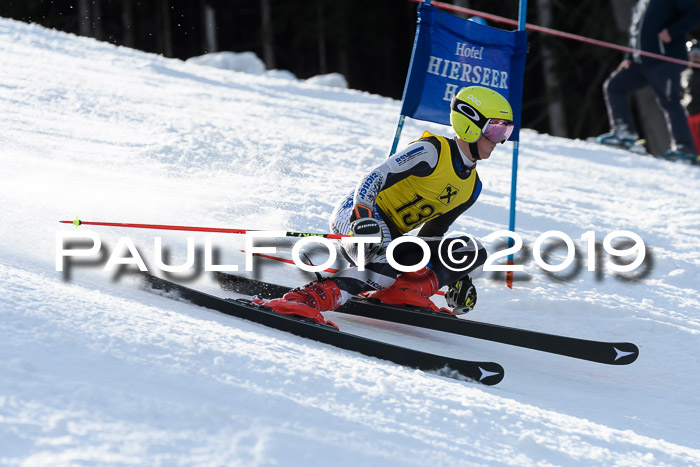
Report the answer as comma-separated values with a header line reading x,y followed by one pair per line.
x,y
681,152
619,137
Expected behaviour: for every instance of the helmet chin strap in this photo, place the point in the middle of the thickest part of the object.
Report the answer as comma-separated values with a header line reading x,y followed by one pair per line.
x,y
474,149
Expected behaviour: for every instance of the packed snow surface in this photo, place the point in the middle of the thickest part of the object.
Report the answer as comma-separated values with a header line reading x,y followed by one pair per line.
x,y
248,62
94,369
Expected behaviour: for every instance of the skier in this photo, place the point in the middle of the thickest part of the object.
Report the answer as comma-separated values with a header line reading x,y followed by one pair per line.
x,y
658,26
428,185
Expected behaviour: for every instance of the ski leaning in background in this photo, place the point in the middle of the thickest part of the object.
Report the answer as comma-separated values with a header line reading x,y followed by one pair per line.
x,y
428,185
691,99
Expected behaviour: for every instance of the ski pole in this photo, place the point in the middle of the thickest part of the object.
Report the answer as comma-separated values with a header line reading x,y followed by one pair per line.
x,y
287,261
77,222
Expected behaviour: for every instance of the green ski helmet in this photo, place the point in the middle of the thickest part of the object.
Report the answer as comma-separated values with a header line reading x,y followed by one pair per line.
x,y
472,110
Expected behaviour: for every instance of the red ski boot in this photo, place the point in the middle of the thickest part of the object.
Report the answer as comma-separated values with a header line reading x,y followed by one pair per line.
x,y
411,288
308,301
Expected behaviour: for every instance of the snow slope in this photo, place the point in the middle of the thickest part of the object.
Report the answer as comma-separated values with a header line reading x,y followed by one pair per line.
x,y
95,370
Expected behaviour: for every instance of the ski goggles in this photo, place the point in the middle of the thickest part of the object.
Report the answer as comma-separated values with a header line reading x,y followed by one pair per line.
x,y
498,130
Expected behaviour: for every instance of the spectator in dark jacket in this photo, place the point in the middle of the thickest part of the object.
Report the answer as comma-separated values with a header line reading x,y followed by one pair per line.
x,y
660,27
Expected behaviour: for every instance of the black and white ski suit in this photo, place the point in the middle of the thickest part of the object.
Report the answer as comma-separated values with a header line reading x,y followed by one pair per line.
x,y
428,185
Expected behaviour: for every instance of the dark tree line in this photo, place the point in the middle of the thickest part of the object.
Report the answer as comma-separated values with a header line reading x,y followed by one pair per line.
x,y
368,41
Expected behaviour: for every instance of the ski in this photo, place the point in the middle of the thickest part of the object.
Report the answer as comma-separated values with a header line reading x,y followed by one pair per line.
x,y
488,373
611,353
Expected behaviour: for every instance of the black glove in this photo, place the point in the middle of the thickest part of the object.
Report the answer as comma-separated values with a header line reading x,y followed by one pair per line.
x,y
362,224
461,296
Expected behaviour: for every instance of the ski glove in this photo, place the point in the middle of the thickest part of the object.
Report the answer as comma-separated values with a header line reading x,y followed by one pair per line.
x,y
461,296
362,224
